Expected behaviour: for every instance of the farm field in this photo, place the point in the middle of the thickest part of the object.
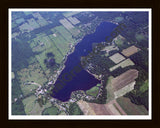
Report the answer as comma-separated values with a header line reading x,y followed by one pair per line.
x,y
116,58
51,111
64,33
32,73
109,88
129,87
84,106
73,30
41,21
122,64
130,108
124,79
130,51
60,43
73,20
44,44
111,108
68,14
32,107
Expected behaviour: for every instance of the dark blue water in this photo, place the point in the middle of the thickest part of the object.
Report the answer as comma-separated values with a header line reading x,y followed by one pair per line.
x,y
73,77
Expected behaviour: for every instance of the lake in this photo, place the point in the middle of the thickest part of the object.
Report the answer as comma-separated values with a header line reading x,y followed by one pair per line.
x,y
74,77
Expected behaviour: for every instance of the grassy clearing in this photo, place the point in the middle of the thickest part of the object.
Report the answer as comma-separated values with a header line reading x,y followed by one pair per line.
x,y
130,108
144,87
93,91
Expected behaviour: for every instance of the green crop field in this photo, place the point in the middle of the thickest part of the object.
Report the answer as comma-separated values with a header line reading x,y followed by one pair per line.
x,y
60,43
65,33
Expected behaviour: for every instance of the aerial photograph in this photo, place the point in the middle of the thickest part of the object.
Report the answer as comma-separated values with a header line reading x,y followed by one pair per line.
x,y
86,63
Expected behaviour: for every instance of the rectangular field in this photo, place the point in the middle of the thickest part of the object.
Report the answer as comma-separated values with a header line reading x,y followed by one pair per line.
x,y
122,64
130,51
111,108
116,58
130,108
124,79
68,14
